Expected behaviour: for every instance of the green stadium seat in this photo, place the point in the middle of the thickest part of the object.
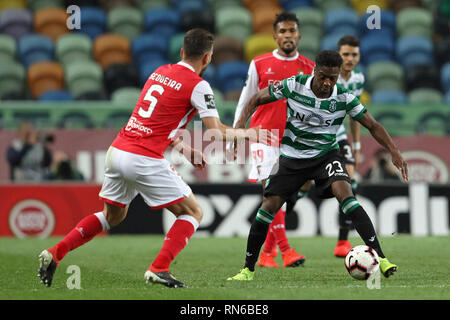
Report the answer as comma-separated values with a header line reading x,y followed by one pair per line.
x,y
8,48
83,77
73,47
309,46
258,44
36,5
425,95
175,44
444,9
414,22
12,78
146,5
126,95
385,75
311,21
126,21
325,5
235,22
220,4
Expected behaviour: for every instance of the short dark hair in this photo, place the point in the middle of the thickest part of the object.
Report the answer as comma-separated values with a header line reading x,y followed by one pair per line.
x,y
329,58
197,42
285,16
348,40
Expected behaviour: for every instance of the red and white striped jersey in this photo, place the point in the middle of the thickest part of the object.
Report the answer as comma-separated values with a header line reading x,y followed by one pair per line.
x,y
264,70
171,97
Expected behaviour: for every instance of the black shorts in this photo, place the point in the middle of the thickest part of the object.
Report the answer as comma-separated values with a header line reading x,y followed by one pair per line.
x,y
291,174
346,152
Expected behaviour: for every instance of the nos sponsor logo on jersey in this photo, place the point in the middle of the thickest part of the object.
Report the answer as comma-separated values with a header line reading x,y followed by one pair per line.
x,y
313,119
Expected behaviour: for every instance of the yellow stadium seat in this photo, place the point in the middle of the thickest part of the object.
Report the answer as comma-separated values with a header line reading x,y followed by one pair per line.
x,y
12,4
112,49
258,44
51,22
361,6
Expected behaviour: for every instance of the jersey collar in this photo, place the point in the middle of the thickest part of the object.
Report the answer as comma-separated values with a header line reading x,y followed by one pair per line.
x,y
280,57
308,86
187,65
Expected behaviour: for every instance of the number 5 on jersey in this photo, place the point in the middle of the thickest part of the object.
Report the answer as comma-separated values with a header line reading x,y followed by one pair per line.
x,y
152,99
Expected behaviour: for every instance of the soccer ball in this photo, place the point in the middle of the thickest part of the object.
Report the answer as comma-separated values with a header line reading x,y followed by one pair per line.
x,y
361,262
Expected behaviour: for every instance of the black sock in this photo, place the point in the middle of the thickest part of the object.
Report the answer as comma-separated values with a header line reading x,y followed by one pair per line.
x,y
344,225
362,223
256,238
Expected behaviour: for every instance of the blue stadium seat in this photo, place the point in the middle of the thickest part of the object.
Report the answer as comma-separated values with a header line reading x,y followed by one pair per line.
x,y
387,23
290,5
388,96
414,50
341,20
93,21
16,22
377,47
163,21
35,47
148,47
55,96
146,69
445,77
447,97
231,75
330,41
210,75
188,5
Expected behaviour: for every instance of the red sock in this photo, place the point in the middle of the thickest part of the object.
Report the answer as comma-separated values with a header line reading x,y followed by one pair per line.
x,y
279,231
270,243
175,240
84,231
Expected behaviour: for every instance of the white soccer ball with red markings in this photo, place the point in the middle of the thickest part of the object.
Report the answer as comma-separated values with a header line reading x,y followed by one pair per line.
x,y
361,262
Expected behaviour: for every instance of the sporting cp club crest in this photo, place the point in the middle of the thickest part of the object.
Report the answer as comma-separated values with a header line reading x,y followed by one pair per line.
x,y
332,106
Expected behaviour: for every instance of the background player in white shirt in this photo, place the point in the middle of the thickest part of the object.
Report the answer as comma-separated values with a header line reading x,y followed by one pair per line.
x,y
172,95
266,69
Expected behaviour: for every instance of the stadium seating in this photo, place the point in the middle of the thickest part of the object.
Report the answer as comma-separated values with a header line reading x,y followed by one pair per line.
x,y
445,77
422,76
414,50
292,5
55,96
377,47
388,96
385,75
51,22
231,75
16,22
425,95
311,22
175,44
414,22
258,44
387,23
146,5
162,21
126,95
262,19
79,3
149,46
447,97
330,41
8,49
235,22
325,5
119,76
254,6
342,21
111,49
227,49
73,47
12,4
442,51
94,21
199,18
109,5
84,77
398,5
188,5
36,5
309,46
34,48
147,68
45,76
126,21
361,6
12,79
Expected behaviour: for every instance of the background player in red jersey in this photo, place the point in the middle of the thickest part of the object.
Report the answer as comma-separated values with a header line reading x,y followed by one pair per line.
x,y
172,95
266,69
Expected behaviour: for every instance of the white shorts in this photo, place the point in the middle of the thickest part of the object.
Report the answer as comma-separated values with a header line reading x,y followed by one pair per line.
x,y
127,174
264,158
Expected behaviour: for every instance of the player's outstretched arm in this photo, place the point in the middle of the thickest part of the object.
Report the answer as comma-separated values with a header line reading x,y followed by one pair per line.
x,y
261,97
384,139
356,140
193,155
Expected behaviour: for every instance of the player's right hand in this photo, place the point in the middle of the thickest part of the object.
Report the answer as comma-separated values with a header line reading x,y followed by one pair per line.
x,y
400,164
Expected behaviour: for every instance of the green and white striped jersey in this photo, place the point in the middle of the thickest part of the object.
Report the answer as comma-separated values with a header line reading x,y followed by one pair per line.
x,y
354,85
312,123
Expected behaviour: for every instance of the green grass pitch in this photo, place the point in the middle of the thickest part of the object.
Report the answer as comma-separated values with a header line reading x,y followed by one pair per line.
x,y
112,267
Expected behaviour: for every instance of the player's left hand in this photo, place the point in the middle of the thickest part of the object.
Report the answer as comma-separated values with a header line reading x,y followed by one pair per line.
x,y
400,164
197,159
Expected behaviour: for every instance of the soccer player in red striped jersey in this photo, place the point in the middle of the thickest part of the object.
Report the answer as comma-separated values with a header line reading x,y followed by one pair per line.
x,y
264,70
171,97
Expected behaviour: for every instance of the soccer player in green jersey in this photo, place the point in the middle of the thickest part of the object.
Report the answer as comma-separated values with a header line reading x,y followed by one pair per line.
x,y
316,107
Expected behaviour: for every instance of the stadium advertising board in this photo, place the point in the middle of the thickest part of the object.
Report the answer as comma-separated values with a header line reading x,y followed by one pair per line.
x,y
53,210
